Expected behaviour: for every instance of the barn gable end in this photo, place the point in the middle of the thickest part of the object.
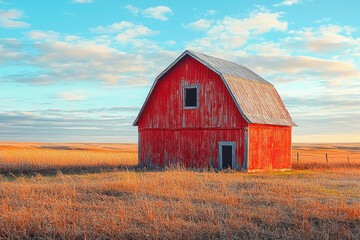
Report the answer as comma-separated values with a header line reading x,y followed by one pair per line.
x,y
256,99
165,106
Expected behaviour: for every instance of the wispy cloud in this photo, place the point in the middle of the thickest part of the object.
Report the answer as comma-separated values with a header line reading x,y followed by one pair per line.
x,y
287,3
82,1
159,12
304,66
61,57
38,34
231,33
325,39
78,95
132,9
201,24
9,19
211,12
127,29
65,126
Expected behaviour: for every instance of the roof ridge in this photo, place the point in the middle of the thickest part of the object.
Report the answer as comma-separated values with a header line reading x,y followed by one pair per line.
x,y
224,66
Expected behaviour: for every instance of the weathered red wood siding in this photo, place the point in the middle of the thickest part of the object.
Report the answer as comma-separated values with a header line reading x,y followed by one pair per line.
x,y
165,106
269,147
190,148
169,133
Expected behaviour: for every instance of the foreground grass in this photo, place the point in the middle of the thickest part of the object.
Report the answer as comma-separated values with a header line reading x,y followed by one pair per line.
x,y
182,204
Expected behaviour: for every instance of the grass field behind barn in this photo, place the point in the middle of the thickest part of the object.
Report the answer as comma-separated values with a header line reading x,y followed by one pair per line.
x,y
80,191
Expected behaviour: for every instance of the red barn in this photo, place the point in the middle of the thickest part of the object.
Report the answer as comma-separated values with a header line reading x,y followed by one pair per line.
x,y
205,112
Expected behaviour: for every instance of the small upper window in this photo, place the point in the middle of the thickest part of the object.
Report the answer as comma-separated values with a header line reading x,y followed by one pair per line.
x,y
191,97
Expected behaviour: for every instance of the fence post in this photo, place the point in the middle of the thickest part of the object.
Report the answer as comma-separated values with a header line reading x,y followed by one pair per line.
x,y
297,157
326,159
348,160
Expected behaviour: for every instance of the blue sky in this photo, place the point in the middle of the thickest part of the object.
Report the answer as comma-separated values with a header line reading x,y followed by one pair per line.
x,y
79,70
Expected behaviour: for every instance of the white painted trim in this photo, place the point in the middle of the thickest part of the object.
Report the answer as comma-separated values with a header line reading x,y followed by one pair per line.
x,y
233,162
246,149
197,96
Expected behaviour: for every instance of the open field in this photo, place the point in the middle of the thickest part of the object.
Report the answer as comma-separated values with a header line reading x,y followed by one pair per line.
x,y
24,157
181,204
321,203
314,155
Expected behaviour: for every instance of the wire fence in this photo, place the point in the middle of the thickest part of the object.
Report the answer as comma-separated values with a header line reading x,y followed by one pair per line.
x,y
302,157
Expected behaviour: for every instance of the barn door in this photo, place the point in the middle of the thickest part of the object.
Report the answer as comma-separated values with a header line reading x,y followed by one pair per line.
x,y
227,155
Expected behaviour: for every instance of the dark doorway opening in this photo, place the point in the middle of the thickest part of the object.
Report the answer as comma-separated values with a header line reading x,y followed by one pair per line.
x,y
226,157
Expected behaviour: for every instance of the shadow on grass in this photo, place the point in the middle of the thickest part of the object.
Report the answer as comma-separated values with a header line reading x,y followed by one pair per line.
x,y
81,170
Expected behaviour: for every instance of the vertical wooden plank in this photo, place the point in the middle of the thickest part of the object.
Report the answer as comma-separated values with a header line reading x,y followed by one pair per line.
x,y
139,148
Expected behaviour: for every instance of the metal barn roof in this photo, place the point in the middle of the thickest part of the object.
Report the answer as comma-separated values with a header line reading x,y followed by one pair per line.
x,y
229,68
257,99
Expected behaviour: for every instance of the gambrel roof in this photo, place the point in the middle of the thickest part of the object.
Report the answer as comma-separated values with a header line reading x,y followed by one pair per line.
x,y
256,99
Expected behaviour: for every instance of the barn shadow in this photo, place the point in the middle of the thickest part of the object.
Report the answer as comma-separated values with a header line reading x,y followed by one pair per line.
x,y
82,170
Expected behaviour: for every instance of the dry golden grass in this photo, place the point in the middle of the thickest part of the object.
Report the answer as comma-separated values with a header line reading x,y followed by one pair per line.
x,y
169,203
314,155
178,204
31,157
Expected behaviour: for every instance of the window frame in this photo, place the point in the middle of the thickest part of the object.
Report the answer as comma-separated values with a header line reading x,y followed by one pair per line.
x,y
197,96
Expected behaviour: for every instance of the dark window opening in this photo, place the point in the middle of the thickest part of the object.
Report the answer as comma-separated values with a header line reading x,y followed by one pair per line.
x,y
226,157
191,97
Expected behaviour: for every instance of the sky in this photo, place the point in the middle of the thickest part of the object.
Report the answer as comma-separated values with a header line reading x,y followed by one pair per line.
x,y
79,70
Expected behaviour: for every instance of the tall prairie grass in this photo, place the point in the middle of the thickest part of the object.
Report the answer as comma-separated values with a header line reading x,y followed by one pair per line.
x,y
322,203
181,204
40,159
17,158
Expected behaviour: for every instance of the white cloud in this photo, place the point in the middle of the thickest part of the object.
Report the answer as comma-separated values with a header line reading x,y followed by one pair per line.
x,y
325,39
303,68
82,1
269,48
159,12
322,20
8,19
126,30
287,3
211,12
127,33
170,42
37,34
132,9
10,50
201,24
60,57
231,33
72,96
